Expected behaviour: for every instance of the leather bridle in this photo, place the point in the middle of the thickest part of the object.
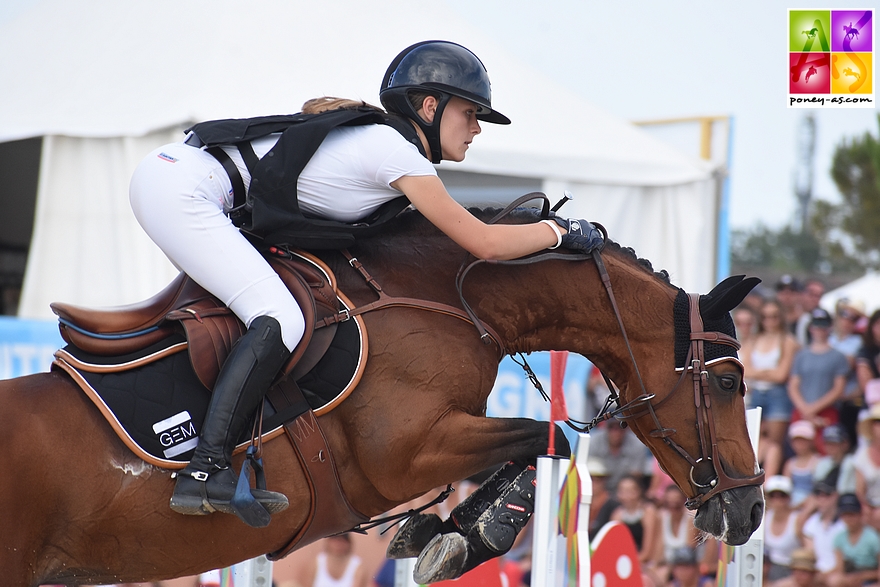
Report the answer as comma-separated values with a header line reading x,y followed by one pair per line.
x,y
641,406
696,365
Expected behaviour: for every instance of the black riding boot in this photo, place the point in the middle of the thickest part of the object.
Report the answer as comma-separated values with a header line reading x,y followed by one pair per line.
x,y
415,534
208,483
450,555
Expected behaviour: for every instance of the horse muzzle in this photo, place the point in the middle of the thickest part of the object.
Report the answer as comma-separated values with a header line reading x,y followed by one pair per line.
x,y
733,515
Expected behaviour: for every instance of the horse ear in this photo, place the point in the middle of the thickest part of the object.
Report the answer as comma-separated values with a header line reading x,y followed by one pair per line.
x,y
727,295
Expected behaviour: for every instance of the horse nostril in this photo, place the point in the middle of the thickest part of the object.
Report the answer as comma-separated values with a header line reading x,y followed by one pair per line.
x,y
757,515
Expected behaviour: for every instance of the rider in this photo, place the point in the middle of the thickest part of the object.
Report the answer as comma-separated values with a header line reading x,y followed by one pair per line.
x,y
182,195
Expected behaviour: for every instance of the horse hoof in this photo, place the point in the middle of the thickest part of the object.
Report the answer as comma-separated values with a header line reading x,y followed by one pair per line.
x,y
414,535
442,559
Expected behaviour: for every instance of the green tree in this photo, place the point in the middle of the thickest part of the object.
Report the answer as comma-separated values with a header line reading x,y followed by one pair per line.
x,y
785,250
855,170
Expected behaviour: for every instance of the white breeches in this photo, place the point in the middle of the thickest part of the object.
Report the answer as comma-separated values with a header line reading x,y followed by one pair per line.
x,y
177,194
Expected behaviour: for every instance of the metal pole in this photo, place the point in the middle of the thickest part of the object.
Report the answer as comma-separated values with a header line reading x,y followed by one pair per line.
x,y
747,567
256,572
547,553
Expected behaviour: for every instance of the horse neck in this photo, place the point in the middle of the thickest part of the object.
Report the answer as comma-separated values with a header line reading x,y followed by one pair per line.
x,y
563,305
550,305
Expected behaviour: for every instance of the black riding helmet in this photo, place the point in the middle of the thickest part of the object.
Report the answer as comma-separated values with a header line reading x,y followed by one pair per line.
x,y
444,69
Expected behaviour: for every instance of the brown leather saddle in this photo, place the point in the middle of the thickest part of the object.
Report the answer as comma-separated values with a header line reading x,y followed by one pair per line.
x,y
211,329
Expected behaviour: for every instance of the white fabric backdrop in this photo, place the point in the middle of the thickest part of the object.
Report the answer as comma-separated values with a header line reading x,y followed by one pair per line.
x,y
671,226
107,69
87,247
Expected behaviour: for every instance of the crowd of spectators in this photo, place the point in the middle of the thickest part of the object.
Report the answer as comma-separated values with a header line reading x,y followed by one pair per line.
x,y
814,372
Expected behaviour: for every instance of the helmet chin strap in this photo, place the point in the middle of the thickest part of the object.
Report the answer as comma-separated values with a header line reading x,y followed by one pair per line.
x,y
432,129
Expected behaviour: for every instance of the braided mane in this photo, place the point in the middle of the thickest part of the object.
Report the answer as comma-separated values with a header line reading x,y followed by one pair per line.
x,y
411,224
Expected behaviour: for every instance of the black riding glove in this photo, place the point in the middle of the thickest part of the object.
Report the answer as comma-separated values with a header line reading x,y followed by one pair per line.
x,y
580,235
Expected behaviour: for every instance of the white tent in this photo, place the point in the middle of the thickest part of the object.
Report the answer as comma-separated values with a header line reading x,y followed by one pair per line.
x,y
864,290
104,82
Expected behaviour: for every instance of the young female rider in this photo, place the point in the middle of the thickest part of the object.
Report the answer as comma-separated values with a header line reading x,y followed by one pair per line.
x,y
181,195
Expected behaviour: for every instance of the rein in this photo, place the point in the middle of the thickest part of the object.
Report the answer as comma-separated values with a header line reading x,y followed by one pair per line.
x,y
637,408
700,376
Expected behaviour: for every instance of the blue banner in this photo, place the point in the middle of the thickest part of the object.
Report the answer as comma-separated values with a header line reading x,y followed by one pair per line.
x,y
27,346
514,396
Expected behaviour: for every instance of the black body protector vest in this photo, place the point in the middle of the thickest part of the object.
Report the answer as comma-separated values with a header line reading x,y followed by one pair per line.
x,y
270,211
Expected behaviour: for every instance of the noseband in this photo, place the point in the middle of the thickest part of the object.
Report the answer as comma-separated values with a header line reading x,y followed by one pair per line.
x,y
696,365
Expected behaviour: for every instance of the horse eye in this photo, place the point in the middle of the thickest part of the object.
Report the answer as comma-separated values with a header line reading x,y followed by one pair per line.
x,y
728,382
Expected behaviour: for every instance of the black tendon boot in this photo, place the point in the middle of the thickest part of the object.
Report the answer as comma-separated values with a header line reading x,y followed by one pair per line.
x,y
208,483
415,534
450,555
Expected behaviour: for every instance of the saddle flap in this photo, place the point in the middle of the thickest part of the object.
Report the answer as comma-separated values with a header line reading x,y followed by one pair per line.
x,y
211,330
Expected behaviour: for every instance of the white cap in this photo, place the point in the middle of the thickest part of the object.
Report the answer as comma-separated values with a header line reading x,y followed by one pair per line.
x,y
778,483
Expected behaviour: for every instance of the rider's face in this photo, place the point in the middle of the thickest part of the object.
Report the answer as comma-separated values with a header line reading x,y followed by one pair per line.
x,y
458,127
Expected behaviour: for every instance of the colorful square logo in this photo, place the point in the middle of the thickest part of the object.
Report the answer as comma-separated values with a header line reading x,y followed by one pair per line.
x,y
831,58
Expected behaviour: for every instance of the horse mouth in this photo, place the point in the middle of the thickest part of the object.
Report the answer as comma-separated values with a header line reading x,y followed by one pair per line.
x,y
732,516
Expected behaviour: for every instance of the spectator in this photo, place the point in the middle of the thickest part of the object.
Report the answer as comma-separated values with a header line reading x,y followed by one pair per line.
x,y
603,503
811,294
677,531
767,358
745,321
336,566
788,292
638,514
837,467
621,453
801,466
844,339
686,571
803,571
857,548
818,376
867,461
868,361
821,526
780,538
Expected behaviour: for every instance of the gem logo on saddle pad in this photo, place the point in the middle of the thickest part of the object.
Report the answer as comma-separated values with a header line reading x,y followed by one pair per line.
x,y
176,434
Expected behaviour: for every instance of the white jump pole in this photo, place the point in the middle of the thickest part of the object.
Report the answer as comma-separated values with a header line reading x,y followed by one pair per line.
x,y
256,572
747,567
548,545
582,453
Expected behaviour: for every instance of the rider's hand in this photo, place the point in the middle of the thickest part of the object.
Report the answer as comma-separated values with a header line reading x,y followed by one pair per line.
x,y
580,235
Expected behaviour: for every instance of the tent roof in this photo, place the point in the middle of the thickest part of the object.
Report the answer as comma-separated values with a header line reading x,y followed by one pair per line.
x,y
865,289
107,68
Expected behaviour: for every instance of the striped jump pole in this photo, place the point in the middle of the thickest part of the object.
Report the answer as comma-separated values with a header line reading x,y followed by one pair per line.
x,y
560,539
743,566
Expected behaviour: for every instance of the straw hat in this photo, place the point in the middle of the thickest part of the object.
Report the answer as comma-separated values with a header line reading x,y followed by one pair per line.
x,y
865,421
803,559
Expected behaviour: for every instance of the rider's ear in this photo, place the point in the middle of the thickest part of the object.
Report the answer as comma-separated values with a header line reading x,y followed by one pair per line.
x,y
428,109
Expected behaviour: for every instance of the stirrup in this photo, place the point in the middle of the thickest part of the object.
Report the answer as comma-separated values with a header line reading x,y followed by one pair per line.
x,y
243,503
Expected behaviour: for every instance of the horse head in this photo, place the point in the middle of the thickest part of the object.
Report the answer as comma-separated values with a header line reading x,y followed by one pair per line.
x,y
697,431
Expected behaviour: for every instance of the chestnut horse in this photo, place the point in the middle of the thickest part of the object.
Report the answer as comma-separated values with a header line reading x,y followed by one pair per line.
x,y
78,507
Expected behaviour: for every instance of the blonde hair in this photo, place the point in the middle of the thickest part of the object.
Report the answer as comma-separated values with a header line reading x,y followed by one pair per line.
x,y
325,103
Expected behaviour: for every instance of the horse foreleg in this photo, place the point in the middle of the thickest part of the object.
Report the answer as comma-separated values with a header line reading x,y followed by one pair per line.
x,y
485,524
460,445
